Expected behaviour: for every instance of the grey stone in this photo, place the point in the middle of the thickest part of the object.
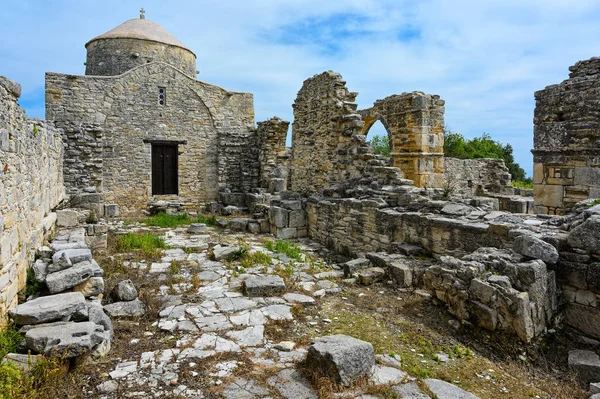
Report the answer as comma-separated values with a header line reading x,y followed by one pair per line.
x,y
238,224
74,255
264,286
69,278
400,273
251,336
381,375
445,390
40,270
586,364
457,209
279,217
111,210
595,386
292,385
11,86
286,233
278,312
407,249
535,248
354,265
92,287
370,275
221,253
228,305
67,218
48,308
72,339
125,291
135,308
96,314
23,362
297,218
109,386
299,298
242,388
340,357
197,228
409,391
586,235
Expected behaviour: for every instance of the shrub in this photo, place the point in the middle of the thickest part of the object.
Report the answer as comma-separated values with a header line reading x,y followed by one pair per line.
x,y
148,243
287,248
164,220
380,146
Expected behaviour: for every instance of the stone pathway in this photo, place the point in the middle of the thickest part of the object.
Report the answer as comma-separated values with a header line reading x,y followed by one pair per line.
x,y
218,331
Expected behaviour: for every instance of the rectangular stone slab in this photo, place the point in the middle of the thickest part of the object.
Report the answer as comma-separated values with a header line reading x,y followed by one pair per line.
x,y
72,339
48,308
69,278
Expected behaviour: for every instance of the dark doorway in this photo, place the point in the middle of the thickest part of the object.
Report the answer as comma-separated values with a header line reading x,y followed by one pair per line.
x,y
164,169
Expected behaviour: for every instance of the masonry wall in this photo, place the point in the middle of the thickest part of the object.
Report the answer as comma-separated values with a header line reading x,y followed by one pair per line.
x,y
474,176
566,150
273,154
110,122
31,185
327,145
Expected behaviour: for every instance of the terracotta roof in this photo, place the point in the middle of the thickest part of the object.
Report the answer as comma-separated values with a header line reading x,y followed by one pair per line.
x,y
144,29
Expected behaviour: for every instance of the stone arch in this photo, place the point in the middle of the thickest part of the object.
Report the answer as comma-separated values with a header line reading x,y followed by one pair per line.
x,y
370,120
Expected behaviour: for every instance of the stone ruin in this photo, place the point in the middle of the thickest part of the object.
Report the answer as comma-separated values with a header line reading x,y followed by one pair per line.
x,y
139,133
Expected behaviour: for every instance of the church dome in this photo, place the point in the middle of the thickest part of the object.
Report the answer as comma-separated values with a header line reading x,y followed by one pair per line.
x,y
133,43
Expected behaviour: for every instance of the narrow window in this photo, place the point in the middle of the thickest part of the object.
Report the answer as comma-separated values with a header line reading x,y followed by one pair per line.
x,y
164,169
162,96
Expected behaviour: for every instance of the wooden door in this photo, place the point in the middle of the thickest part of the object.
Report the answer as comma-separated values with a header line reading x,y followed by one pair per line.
x,y
164,169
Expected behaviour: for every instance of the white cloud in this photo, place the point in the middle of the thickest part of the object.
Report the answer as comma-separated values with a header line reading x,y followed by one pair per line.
x,y
485,59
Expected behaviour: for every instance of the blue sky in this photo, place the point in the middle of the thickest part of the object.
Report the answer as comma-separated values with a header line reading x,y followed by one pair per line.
x,y
485,58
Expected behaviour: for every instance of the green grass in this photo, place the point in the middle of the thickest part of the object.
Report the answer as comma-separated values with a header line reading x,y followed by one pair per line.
x,y
182,219
255,258
594,202
287,248
9,340
148,243
522,184
32,286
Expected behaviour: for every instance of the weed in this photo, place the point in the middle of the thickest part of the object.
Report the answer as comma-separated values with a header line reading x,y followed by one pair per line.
x,y
165,220
9,340
174,268
594,202
287,248
255,258
32,286
238,254
149,244
522,184
195,281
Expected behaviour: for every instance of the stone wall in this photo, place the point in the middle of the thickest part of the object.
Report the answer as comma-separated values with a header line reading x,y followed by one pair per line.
x,y
415,125
327,145
110,123
566,134
475,176
273,154
106,57
31,185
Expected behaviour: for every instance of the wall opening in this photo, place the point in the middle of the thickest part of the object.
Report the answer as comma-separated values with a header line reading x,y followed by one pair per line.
x,y
164,169
378,137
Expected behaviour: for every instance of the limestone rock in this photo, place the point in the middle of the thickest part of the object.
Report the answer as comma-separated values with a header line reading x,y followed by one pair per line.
x,y
457,209
73,255
197,228
135,308
370,275
341,358
221,253
409,391
125,291
264,286
48,308
96,314
381,375
40,270
445,390
292,385
69,278
23,362
354,265
72,339
586,364
299,298
92,287
586,235
535,248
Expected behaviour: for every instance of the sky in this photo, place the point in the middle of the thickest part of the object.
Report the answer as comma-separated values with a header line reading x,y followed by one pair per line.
x,y
484,58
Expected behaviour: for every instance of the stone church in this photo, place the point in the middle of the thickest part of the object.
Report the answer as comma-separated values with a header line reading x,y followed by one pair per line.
x,y
139,127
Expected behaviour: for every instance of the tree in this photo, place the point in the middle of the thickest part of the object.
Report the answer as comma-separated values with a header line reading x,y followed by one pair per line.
x,y
381,146
456,146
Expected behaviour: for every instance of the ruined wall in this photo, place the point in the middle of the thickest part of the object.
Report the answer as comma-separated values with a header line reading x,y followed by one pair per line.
x,y
473,176
31,185
110,122
415,124
273,154
566,137
326,142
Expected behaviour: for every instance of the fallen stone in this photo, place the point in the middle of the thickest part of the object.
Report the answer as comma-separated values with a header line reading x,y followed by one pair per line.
x,y
292,385
242,388
69,278
401,274
92,287
445,390
23,362
124,369
393,361
381,375
108,386
221,253
70,340
409,391
264,286
285,346
228,305
586,364
40,270
586,235
73,255
125,291
197,228
96,314
370,275
354,265
299,298
48,308
251,336
278,312
340,357
67,218
457,209
135,308
535,248
407,249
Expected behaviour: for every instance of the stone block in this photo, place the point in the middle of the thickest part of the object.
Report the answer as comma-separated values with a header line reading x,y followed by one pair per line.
x,y
485,316
47,308
279,217
70,340
401,274
73,255
584,318
297,218
197,228
264,286
67,218
238,224
407,249
112,210
69,278
340,357
445,390
370,275
482,290
129,309
92,287
587,235
125,291
40,270
286,233
535,248
354,265
548,195
221,253
586,364
291,205
254,227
